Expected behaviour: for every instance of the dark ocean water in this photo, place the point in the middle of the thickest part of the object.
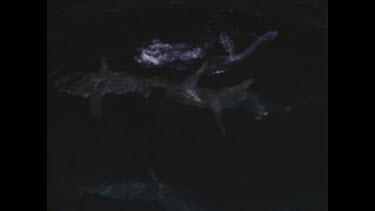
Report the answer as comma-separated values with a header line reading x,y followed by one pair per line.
x,y
278,163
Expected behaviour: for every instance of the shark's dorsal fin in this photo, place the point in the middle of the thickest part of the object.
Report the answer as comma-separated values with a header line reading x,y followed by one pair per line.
x,y
159,185
189,85
193,79
153,175
104,69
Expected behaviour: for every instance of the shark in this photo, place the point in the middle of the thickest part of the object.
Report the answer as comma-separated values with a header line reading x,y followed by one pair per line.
x,y
173,198
94,86
146,191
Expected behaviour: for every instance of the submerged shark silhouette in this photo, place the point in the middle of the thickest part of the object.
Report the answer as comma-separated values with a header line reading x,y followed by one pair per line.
x,y
95,85
170,198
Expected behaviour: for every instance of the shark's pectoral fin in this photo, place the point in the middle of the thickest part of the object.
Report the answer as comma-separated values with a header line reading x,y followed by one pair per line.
x,y
218,118
96,106
192,93
247,83
242,87
104,69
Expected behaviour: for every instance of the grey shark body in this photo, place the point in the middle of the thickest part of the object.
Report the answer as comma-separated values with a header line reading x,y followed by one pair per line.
x,y
147,191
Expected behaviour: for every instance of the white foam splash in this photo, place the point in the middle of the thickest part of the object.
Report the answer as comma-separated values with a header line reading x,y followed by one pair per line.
x,y
158,53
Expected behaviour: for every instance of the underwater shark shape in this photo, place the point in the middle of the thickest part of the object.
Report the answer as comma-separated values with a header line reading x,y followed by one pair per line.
x,y
179,199
168,197
95,85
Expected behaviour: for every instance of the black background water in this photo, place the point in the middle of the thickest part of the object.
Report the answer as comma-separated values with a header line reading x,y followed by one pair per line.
x,y
279,163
